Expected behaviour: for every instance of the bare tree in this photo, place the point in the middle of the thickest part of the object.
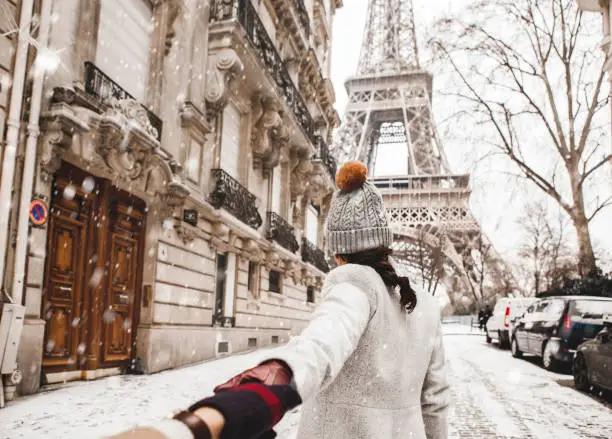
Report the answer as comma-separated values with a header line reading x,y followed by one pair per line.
x,y
428,263
487,273
530,78
544,248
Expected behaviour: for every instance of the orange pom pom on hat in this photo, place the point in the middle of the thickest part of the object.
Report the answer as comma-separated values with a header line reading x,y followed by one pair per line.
x,y
357,218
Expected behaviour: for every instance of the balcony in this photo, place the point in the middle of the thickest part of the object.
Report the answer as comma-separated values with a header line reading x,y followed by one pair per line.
x,y
302,13
235,198
311,254
282,232
325,156
101,86
258,38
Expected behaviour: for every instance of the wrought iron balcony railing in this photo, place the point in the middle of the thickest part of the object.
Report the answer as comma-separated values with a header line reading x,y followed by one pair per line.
x,y
314,255
100,85
247,16
235,198
325,156
282,232
302,13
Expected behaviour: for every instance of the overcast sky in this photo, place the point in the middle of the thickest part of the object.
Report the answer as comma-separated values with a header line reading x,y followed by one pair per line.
x,y
496,204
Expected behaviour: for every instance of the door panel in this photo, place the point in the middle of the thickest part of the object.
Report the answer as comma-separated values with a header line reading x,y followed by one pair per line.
x,y
125,235
64,277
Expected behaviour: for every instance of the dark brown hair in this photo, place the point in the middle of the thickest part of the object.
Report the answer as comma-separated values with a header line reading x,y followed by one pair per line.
x,y
378,259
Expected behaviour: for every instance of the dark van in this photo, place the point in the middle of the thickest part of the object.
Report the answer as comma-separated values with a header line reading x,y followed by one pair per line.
x,y
554,327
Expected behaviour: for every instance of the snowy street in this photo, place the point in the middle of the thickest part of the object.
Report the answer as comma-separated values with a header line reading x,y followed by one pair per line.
x,y
494,396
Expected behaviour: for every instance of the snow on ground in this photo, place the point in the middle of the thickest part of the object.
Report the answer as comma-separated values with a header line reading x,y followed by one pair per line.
x,y
494,395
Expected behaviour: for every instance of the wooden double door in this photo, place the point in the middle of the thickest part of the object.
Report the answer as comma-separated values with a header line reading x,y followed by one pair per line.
x,y
93,274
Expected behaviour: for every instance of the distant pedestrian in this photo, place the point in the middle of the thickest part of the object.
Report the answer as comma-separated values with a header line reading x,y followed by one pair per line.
x,y
481,319
369,365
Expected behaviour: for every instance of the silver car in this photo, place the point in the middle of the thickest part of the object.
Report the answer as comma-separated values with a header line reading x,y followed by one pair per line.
x,y
593,361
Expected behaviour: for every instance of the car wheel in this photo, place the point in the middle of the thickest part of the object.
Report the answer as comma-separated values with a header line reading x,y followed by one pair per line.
x,y
503,344
548,360
516,352
581,375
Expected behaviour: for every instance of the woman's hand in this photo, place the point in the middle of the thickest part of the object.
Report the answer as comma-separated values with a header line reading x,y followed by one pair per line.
x,y
270,373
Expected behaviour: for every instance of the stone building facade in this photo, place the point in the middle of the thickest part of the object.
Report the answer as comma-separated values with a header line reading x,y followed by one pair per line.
x,y
183,159
602,7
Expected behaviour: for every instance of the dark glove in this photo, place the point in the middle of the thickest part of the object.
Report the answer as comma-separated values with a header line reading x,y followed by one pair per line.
x,y
251,410
270,373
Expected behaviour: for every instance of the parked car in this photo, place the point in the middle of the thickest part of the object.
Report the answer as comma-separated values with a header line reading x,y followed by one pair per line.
x,y
554,327
500,325
593,361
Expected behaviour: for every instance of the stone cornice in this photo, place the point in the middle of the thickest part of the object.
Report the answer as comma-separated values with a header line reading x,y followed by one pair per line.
x,y
193,118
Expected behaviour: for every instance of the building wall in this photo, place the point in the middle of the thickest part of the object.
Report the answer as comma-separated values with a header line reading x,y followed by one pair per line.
x,y
190,81
9,16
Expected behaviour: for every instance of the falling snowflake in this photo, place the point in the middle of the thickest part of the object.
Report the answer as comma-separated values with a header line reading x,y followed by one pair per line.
x,y
88,185
69,192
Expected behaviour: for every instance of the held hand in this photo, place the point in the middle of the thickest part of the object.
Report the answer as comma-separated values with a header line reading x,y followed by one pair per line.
x,y
270,373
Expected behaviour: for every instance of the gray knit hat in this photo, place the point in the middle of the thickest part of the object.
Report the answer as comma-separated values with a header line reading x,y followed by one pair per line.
x,y
357,218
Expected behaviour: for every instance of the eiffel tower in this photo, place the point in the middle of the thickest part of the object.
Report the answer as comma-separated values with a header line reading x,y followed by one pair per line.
x,y
389,121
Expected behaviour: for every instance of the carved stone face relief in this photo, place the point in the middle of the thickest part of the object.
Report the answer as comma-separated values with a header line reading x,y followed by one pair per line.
x,y
127,139
270,135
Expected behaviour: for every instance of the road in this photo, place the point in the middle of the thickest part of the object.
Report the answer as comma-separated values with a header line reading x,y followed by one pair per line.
x,y
494,396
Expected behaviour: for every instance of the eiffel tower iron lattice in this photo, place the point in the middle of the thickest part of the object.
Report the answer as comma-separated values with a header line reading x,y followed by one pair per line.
x,y
390,111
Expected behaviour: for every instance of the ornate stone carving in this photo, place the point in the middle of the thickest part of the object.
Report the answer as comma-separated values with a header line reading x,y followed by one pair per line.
x,y
127,139
252,249
222,69
174,9
172,199
319,183
193,118
59,125
300,172
186,232
270,135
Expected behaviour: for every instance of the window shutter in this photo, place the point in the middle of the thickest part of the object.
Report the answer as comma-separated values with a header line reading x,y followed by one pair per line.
x,y
124,42
276,190
230,141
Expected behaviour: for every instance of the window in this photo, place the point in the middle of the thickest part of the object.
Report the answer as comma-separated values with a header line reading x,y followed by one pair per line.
x,y
221,278
124,43
310,295
252,343
591,309
253,279
275,339
275,282
277,185
230,141
312,225
223,347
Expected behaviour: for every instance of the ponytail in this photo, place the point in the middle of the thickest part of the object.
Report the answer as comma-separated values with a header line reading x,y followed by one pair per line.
x,y
378,259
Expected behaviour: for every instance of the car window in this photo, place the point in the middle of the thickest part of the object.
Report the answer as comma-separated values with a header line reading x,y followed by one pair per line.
x,y
555,308
591,309
531,309
542,306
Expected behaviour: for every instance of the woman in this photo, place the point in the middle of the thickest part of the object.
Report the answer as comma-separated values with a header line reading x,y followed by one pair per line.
x,y
369,365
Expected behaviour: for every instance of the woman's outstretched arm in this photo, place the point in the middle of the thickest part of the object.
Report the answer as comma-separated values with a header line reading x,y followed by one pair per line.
x,y
435,394
318,354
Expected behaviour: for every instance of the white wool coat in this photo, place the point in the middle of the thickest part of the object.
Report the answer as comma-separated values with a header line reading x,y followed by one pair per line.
x,y
364,368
